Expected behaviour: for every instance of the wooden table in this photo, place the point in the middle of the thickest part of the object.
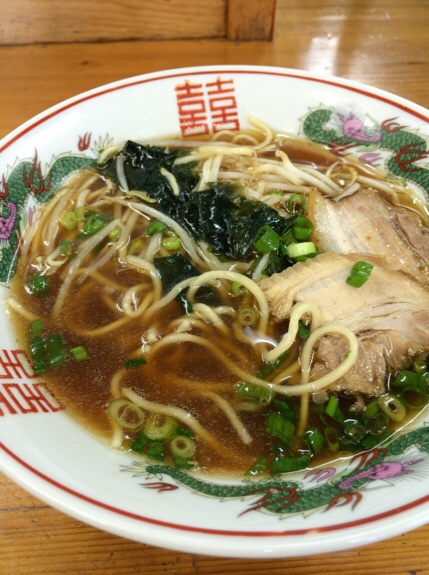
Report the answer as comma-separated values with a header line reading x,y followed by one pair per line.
x,y
385,44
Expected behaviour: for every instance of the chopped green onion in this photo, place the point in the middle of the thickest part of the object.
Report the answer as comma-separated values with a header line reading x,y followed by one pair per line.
x,y
267,240
377,424
182,463
288,464
370,410
359,274
279,426
371,441
354,429
254,393
156,450
79,353
184,431
420,366
301,249
134,362
258,466
333,409
140,442
424,382
155,227
55,350
302,228
38,284
182,447
303,331
287,238
406,378
269,368
392,407
36,329
126,413
68,220
286,409
158,426
239,289
37,354
315,440
331,436
93,223
247,316
68,248
332,405
294,201
413,398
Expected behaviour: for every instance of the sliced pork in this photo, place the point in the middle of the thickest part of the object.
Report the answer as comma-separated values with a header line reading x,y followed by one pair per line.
x,y
389,315
368,224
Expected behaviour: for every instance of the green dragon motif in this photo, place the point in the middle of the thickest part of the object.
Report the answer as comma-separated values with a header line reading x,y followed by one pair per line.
x,y
407,146
285,495
26,181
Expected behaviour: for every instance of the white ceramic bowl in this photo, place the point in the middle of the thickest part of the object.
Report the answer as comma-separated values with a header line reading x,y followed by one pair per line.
x,y
335,507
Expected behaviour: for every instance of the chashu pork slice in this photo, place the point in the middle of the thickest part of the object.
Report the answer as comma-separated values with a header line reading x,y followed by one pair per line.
x,y
366,223
389,315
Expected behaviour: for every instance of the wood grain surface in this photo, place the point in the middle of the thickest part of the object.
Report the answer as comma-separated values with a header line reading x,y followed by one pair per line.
x,y
382,43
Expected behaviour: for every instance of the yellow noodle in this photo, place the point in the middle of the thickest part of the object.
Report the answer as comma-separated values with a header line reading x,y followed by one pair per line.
x,y
19,308
232,416
298,311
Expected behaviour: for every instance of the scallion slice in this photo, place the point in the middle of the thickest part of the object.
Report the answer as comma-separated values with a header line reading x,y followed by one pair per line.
x,y
160,427
259,466
55,350
267,240
93,223
301,249
140,442
156,450
392,406
38,284
36,329
239,289
79,353
254,393
296,202
182,447
377,424
288,464
354,429
413,398
247,316
126,413
359,274
134,362
406,378
331,436
315,440
302,228
279,426
68,249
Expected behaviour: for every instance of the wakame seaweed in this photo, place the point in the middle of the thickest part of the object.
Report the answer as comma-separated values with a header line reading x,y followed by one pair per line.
x,y
228,222
142,165
176,268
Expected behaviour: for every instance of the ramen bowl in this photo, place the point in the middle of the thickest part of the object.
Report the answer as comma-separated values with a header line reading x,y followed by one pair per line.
x,y
337,505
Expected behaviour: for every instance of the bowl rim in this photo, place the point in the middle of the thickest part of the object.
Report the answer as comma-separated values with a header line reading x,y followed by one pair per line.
x,y
23,473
